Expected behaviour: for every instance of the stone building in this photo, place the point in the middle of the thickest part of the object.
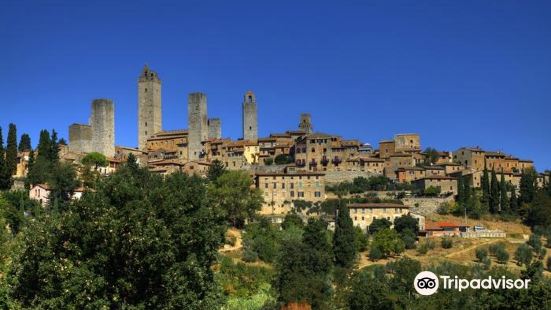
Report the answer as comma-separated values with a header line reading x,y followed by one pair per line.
x,y
250,120
197,125
407,142
149,106
102,122
215,128
323,152
80,138
168,144
281,188
363,214
447,185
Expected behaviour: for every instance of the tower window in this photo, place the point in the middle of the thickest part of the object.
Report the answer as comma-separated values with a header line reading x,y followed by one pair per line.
x,y
145,124
145,90
250,98
250,127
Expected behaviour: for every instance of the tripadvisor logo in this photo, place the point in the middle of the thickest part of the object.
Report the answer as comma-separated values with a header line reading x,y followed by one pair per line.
x,y
427,283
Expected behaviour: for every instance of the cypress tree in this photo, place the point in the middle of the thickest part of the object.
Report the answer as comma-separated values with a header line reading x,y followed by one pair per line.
x,y
527,186
460,192
5,175
11,149
54,145
24,143
485,184
44,145
504,200
494,193
343,240
29,168
513,202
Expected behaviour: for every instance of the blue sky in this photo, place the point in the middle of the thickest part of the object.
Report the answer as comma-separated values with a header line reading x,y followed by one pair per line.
x,y
457,72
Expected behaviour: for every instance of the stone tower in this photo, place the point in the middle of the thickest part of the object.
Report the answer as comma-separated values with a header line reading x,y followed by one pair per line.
x,y
198,130
250,125
102,122
80,138
305,123
149,106
215,128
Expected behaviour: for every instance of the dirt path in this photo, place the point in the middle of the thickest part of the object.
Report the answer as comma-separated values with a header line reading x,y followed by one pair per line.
x,y
472,247
238,245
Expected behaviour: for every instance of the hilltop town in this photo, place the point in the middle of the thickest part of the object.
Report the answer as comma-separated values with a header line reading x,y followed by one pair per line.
x,y
297,164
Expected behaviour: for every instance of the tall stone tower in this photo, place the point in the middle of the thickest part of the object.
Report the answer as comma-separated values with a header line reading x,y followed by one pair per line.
x,y
80,138
149,106
215,128
305,123
198,130
250,125
102,122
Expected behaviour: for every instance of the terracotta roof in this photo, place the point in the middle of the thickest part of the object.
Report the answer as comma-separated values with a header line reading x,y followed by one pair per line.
x,y
291,174
431,225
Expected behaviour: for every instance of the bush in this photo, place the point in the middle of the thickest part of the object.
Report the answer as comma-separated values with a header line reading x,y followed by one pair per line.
x,y
486,263
249,255
361,239
481,254
535,242
549,263
444,208
268,161
447,243
424,247
283,159
496,247
523,255
502,256
375,254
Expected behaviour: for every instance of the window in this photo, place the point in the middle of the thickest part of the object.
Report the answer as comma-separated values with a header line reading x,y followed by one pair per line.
x,y
292,185
275,185
292,193
283,185
265,185
317,194
300,194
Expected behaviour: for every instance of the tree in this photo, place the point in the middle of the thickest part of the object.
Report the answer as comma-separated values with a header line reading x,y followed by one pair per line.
x,y
29,168
502,256
343,240
481,254
406,222
361,239
283,159
523,255
527,185
513,201
11,150
388,242
25,143
431,156
216,169
504,198
233,192
369,290
292,219
54,148
44,145
5,175
95,160
378,225
494,194
132,162
63,182
139,241
485,185
447,243
539,212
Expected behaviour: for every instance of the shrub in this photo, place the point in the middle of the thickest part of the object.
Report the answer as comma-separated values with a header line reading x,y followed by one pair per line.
x,y
496,247
502,256
535,242
549,263
409,239
447,243
481,254
523,255
486,263
268,161
249,255
424,247
375,254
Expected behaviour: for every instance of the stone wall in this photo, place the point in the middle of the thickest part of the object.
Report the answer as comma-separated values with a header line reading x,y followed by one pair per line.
x,y
425,206
333,177
197,124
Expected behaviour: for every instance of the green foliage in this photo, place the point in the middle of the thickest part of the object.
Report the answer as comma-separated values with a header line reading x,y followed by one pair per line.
x,y
216,169
523,255
409,238
502,256
528,186
139,241
369,290
301,205
481,254
11,149
431,191
268,161
24,143
361,239
504,198
6,180
361,184
549,263
95,160
485,186
378,225
539,211
343,240
375,253
233,193
431,156
494,193
261,239
292,219
447,243
425,246
245,286
283,159
406,222
63,182
388,242
535,242
496,247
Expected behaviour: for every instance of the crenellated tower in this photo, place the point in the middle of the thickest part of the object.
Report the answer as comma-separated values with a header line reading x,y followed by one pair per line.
x,y
149,106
